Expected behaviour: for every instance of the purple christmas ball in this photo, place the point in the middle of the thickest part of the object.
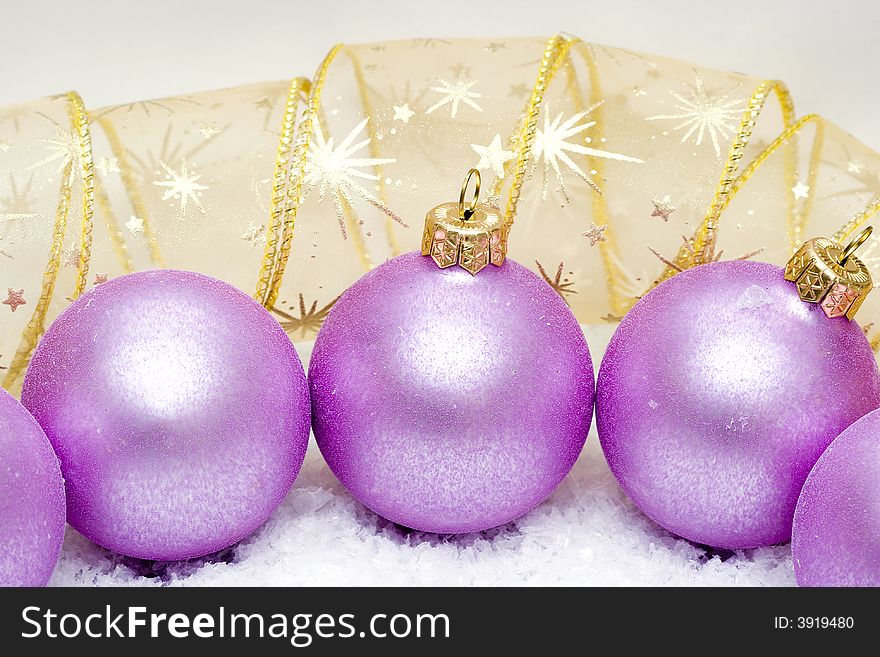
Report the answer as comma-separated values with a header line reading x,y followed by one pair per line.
x,y
31,499
447,402
178,408
719,391
836,535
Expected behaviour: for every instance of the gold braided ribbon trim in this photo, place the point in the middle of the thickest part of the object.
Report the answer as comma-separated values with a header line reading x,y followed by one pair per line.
x,y
36,325
784,139
554,55
293,192
280,208
79,119
705,235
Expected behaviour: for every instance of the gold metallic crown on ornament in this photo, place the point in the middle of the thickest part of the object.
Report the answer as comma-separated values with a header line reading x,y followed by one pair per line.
x,y
829,274
471,236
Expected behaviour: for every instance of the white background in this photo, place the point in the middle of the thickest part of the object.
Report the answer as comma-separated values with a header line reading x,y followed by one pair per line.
x,y
114,51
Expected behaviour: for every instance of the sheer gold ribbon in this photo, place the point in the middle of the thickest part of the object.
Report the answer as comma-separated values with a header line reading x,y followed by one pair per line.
x,y
79,126
586,81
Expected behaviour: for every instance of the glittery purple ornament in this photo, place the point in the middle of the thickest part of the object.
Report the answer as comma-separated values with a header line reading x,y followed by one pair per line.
x,y
718,393
31,499
448,402
179,411
836,535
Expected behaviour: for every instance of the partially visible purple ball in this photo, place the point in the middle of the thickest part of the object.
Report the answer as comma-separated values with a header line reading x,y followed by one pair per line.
x,y
836,535
447,402
719,391
179,410
31,499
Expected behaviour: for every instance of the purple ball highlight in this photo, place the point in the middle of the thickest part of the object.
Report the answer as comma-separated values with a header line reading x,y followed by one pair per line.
x,y
719,391
178,408
836,535
447,402
31,499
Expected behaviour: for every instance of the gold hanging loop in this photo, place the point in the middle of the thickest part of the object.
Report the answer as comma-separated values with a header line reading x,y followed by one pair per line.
x,y
467,213
855,243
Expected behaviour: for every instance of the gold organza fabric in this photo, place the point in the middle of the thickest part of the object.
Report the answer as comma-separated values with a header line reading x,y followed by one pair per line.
x,y
619,169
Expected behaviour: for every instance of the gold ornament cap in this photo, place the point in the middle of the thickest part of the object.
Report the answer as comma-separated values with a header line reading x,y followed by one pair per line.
x,y
471,235
829,274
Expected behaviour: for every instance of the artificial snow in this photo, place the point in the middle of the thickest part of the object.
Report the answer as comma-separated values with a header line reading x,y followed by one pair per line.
x,y
586,533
